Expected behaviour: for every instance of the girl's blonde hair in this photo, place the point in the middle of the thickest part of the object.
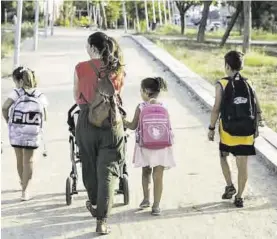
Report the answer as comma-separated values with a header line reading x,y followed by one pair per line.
x,y
26,75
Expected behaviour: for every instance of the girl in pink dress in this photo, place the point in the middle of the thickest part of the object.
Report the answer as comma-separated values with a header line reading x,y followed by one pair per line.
x,y
151,160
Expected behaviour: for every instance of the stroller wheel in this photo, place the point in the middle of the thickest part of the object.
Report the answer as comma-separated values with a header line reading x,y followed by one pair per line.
x,y
125,186
68,191
44,154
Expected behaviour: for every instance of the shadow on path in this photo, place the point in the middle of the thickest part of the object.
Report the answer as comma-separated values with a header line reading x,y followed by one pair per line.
x,y
55,218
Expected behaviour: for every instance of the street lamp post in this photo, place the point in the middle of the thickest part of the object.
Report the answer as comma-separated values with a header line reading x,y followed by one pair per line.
x,y
137,16
18,33
154,11
169,12
160,12
146,15
124,16
165,17
36,25
53,17
46,18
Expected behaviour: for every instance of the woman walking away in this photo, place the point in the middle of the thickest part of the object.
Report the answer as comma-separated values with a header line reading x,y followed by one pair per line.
x,y
153,151
27,107
101,148
239,110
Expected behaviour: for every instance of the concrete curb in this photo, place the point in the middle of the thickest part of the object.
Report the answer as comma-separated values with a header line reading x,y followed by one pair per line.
x,y
266,144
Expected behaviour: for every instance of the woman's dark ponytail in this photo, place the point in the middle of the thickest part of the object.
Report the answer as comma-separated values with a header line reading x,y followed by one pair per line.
x,y
108,50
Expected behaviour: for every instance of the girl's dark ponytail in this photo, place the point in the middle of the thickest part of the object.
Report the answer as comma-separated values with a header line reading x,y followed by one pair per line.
x,y
162,86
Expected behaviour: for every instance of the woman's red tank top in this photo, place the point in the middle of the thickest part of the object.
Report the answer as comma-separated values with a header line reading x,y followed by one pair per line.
x,y
87,81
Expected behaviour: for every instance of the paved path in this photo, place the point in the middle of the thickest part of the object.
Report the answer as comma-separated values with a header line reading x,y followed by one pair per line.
x,y
192,205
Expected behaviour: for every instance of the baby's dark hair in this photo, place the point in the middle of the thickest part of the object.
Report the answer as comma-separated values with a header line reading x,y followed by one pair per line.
x,y
153,85
235,60
26,75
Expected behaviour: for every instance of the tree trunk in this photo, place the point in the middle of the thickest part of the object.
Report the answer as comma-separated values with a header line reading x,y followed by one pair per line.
x,y
203,23
231,24
247,26
241,22
182,18
137,16
104,22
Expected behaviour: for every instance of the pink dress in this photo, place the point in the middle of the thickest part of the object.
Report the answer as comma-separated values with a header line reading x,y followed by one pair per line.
x,y
144,157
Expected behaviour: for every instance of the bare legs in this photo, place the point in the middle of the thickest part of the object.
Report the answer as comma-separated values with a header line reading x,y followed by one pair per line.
x,y
242,174
19,161
24,168
146,180
226,169
242,178
158,185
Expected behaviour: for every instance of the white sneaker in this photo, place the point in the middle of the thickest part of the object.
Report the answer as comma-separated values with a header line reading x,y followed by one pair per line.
x,y
25,196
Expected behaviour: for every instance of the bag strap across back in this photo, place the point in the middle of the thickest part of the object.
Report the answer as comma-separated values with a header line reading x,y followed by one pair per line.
x,y
95,69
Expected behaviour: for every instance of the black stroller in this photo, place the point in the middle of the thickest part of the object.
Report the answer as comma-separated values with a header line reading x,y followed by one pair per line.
x,y
71,181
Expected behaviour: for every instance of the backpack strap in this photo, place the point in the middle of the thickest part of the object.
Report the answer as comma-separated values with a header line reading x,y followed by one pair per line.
x,y
94,69
30,94
17,92
250,96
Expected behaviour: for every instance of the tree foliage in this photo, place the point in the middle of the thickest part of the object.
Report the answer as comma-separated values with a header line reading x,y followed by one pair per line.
x,y
264,14
113,11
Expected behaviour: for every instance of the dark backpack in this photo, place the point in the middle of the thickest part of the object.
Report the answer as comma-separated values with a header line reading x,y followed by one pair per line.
x,y
238,109
104,109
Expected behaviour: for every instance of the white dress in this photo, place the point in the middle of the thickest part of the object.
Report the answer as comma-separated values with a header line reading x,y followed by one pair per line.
x,y
144,157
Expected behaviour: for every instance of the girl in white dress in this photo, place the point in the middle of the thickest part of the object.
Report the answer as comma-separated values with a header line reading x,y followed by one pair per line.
x,y
151,160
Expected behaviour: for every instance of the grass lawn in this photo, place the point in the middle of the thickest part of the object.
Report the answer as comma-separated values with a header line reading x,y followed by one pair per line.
x,y
207,60
7,38
173,30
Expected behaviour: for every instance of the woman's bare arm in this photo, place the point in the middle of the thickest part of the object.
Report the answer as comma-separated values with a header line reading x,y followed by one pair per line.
x,y
45,114
5,108
134,124
216,109
258,105
75,87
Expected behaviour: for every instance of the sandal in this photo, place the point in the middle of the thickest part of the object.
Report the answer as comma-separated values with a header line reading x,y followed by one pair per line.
x,y
90,208
229,192
238,202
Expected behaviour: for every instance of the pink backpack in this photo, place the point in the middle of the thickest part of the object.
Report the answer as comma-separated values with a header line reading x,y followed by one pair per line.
x,y
154,127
